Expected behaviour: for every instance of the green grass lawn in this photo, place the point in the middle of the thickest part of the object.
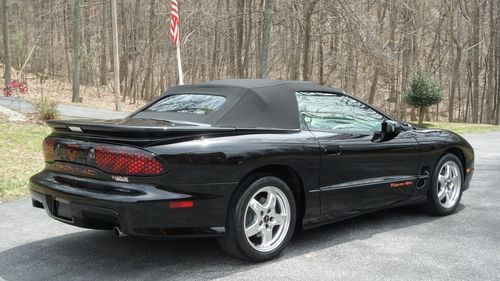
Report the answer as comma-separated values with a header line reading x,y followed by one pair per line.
x,y
20,157
463,128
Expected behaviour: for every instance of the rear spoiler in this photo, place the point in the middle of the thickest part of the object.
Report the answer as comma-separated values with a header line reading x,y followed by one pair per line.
x,y
143,132
101,126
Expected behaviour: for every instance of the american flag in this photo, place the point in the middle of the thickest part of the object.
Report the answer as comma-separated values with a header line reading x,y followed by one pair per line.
x,y
174,24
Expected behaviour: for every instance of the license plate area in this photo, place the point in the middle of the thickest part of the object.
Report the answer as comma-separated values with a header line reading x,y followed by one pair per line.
x,y
73,151
62,209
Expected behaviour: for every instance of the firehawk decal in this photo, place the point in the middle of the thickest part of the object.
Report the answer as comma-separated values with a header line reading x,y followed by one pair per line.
x,y
401,184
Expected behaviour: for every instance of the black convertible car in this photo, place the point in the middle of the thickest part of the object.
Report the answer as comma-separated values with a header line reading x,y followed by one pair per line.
x,y
248,162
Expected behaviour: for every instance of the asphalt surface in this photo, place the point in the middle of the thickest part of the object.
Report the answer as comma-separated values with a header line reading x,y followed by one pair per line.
x,y
398,244
64,109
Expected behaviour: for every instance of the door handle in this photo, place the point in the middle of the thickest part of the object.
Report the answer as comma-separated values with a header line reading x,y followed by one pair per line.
x,y
331,149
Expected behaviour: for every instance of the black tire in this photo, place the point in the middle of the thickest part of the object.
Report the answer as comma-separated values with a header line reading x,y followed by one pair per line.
x,y
434,205
235,243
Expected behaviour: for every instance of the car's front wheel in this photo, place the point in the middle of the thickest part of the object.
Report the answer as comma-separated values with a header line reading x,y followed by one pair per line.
x,y
261,219
446,189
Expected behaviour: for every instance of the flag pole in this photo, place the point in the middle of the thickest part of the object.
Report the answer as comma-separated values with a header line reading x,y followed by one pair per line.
x,y
179,65
175,37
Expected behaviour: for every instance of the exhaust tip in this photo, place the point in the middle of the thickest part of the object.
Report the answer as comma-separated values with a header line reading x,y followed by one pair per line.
x,y
118,232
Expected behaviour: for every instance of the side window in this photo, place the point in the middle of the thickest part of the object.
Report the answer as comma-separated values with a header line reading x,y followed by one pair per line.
x,y
326,111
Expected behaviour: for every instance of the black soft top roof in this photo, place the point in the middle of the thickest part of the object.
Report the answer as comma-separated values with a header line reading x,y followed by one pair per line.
x,y
250,103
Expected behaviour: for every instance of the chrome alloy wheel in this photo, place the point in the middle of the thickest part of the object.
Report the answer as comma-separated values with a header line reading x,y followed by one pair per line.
x,y
449,182
267,219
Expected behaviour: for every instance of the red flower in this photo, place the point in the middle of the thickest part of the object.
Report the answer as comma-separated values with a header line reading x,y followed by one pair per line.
x,y
23,88
15,87
7,92
15,84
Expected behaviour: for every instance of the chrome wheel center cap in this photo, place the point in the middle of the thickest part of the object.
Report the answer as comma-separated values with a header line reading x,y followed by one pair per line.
x,y
266,218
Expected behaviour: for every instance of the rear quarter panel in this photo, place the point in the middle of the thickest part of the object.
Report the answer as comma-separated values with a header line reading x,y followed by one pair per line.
x,y
215,166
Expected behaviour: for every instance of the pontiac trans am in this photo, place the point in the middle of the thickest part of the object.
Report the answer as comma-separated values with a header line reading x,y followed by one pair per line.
x,y
247,162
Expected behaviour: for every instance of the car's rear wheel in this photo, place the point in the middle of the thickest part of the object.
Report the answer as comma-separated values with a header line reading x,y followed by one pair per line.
x,y
446,189
261,219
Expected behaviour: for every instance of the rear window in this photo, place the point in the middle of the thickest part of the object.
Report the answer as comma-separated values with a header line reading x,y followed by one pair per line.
x,y
188,103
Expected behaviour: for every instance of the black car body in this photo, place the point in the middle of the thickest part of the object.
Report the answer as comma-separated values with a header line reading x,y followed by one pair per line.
x,y
202,155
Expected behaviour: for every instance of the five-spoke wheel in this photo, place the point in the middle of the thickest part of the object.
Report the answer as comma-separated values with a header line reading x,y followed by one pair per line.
x,y
445,189
267,219
261,219
449,182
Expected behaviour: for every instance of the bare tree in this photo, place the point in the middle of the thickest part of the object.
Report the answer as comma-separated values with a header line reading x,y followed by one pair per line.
x,y
490,96
76,51
408,11
116,60
309,6
104,45
367,47
476,41
240,10
457,60
6,47
266,35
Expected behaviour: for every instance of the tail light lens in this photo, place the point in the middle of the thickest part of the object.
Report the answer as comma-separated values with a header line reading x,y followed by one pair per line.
x,y
127,161
48,149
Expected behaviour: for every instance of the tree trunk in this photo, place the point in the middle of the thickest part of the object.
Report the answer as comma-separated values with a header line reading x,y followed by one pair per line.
x,y
104,46
213,67
308,12
373,88
393,22
454,83
295,56
133,78
52,39
490,95
407,52
76,52
321,61
116,60
66,40
266,35
476,41
149,75
240,10
6,47
497,65
381,12
231,43
421,114
248,38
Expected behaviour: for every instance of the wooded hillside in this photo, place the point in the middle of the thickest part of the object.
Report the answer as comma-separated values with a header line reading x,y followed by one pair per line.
x,y
369,48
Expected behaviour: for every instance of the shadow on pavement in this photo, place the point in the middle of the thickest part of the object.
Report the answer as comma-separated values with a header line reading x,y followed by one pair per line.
x,y
100,255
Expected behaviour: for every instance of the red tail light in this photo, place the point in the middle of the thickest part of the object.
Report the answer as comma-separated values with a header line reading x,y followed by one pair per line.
x,y
127,161
48,149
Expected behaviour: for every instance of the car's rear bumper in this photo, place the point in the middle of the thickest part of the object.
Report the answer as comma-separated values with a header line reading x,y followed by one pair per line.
x,y
144,212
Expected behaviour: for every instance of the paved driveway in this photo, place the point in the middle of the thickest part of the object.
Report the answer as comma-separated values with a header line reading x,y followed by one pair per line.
x,y
399,244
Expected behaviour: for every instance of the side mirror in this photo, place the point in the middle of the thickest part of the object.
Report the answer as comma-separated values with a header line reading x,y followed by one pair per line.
x,y
389,130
